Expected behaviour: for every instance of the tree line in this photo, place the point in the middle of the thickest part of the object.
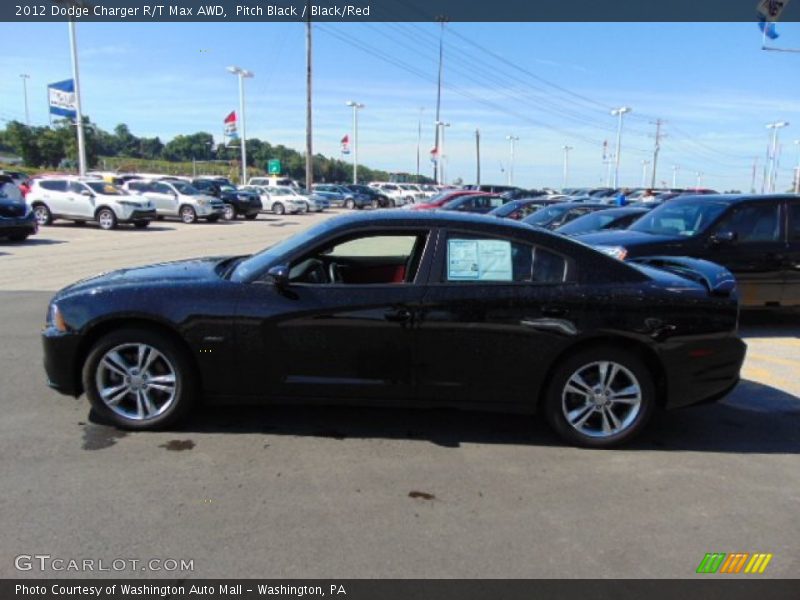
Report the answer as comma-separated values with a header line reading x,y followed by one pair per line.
x,y
56,147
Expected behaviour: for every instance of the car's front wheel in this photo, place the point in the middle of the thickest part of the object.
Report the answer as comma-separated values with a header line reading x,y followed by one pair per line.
x,y
278,208
230,213
350,204
138,379
106,219
188,214
600,397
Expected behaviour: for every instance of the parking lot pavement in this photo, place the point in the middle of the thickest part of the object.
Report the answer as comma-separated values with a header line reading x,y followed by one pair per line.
x,y
338,492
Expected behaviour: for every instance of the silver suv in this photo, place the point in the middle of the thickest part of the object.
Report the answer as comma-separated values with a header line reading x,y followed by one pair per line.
x,y
176,198
84,199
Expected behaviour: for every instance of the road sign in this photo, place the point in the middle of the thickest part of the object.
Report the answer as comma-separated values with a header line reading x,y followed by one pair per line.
x,y
274,166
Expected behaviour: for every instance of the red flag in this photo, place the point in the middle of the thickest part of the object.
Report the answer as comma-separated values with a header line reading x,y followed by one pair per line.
x,y
231,118
345,139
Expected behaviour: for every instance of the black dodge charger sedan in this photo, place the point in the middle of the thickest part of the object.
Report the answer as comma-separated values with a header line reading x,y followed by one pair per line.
x,y
433,309
756,237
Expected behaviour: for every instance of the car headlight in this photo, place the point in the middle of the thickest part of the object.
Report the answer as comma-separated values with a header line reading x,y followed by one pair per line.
x,y
129,203
202,202
56,319
619,252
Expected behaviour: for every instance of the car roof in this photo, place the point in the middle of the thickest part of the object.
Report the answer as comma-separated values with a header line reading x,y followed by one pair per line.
x,y
729,198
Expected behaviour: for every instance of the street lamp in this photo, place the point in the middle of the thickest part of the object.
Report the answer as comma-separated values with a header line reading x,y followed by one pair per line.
x,y
619,112
25,77
511,139
645,163
675,169
242,74
440,158
772,176
419,137
355,106
566,165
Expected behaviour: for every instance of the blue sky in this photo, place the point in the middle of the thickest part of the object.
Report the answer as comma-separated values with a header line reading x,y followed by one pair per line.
x,y
549,84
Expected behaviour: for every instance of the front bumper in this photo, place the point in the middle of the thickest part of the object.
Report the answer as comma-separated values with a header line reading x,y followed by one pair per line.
x,y
140,215
60,361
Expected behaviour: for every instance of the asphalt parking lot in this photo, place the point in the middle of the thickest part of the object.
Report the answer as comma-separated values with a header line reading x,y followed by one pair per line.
x,y
356,493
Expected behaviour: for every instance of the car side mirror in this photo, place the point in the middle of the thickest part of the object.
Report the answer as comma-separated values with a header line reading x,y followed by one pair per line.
x,y
87,193
724,237
279,275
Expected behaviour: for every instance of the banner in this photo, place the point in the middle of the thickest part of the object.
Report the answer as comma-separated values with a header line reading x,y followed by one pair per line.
x,y
345,144
61,98
230,126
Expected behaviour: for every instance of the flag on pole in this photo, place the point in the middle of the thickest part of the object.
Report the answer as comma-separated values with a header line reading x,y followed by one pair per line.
x,y
768,12
434,154
61,98
230,126
345,144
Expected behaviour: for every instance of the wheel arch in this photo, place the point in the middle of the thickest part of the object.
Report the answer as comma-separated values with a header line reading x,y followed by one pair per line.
x,y
631,345
102,328
107,207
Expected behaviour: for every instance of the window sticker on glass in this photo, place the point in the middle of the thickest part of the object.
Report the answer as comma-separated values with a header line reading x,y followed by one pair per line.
x,y
479,260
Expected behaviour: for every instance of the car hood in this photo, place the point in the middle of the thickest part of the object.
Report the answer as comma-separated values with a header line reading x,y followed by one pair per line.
x,y
196,269
626,238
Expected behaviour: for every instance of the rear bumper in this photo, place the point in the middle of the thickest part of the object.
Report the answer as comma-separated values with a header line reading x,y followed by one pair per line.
x,y
702,371
15,226
60,361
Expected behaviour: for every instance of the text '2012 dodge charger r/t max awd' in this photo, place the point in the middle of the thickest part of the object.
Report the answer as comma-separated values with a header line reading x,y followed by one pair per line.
x,y
405,308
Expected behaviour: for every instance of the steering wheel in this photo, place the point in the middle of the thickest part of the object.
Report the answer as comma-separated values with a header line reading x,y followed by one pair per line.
x,y
334,273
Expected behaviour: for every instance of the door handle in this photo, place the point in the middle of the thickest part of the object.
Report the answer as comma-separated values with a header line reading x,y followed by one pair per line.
x,y
400,315
554,311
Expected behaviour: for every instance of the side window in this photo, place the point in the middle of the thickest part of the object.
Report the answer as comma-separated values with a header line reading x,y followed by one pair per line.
x,y
75,187
54,185
470,258
794,222
752,223
161,188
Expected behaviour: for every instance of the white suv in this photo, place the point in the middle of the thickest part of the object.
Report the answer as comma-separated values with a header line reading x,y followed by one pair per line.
x,y
84,199
397,196
277,200
177,198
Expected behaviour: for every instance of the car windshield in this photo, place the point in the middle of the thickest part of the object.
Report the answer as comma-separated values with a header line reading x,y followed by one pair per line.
x,y
679,219
280,192
257,263
227,188
591,222
545,215
185,188
106,189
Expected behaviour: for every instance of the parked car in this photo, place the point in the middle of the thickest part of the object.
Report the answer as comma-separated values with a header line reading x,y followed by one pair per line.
x,y
377,199
603,220
475,203
278,200
273,181
442,198
177,198
397,196
17,220
519,209
757,238
413,193
314,202
238,202
83,199
560,213
452,310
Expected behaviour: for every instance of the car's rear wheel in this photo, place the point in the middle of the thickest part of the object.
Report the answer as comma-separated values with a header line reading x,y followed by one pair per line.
x,y
230,213
350,203
375,204
251,217
212,218
278,208
600,397
106,219
188,214
138,379
18,237
141,224
42,214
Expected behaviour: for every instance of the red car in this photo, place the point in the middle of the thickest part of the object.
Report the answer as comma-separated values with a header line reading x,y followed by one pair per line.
x,y
443,198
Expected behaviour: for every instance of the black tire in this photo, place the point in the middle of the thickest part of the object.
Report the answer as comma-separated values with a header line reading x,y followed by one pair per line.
x,y
106,219
230,212
212,218
187,214
185,387
350,204
18,237
251,217
375,204
558,401
42,214
141,224
278,208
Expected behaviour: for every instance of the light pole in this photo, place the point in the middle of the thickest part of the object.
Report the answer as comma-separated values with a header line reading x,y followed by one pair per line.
x,y
699,176
772,176
675,169
440,158
242,74
511,139
355,106
797,169
645,163
566,165
25,77
419,137
618,112
78,113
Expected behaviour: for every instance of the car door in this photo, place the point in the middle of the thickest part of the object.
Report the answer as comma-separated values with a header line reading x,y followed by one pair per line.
x,y
791,273
81,200
164,198
54,195
343,325
494,310
749,241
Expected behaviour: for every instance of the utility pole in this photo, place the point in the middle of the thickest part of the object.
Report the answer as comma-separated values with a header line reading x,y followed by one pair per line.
x,y
242,74
773,167
419,137
512,139
78,113
753,181
656,150
477,157
25,77
439,174
309,143
675,169
618,112
356,106
566,166
442,20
